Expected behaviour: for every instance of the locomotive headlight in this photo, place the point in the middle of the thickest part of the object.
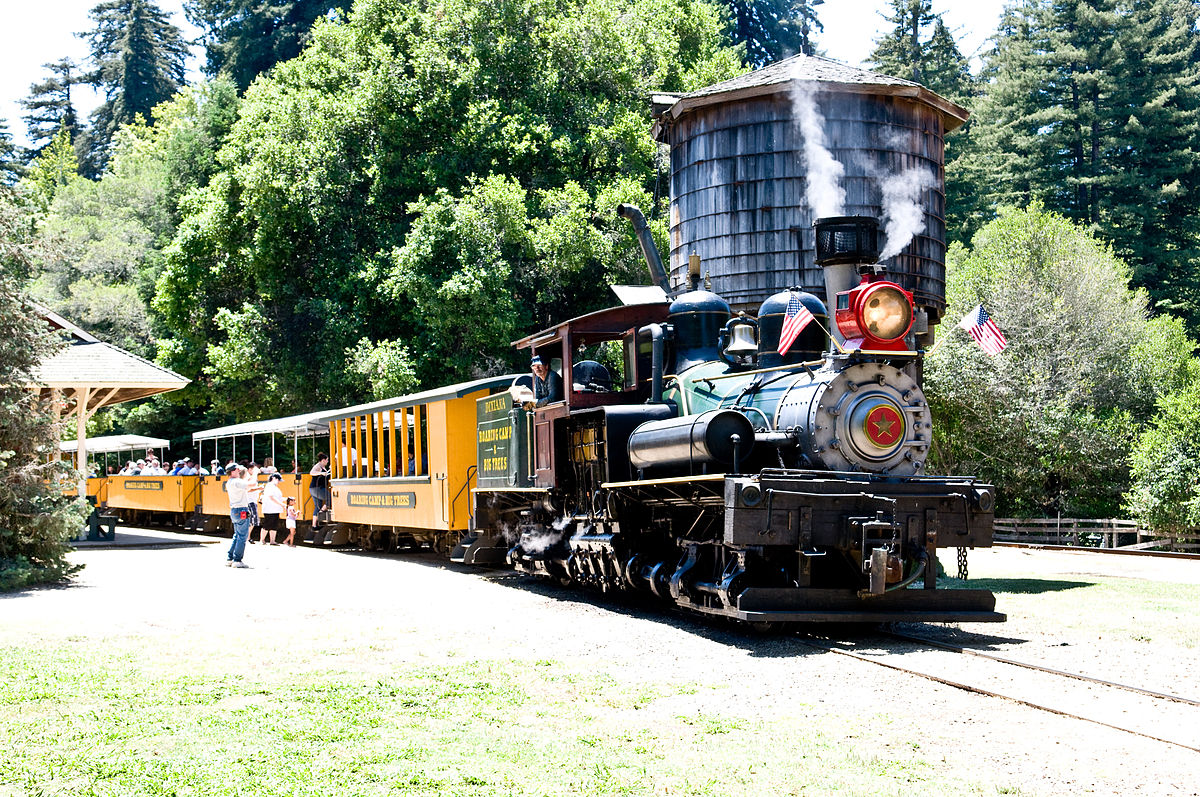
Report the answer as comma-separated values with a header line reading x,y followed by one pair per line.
x,y
886,313
875,314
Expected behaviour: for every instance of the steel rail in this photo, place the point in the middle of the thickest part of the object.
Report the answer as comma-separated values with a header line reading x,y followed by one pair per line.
x,y
1088,549
831,648
1049,670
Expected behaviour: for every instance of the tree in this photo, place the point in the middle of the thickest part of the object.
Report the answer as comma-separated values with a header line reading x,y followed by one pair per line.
x,y
774,29
1051,419
11,168
245,38
36,519
139,61
49,106
103,240
515,117
1092,108
901,53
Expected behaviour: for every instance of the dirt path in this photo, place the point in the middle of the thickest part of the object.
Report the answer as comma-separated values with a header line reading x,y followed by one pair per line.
x,y
365,612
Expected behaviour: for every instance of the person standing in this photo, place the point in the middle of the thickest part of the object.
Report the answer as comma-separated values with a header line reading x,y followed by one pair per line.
x,y
292,517
318,488
272,508
239,490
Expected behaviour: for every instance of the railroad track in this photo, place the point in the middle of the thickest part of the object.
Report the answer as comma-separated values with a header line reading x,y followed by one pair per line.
x,y
1102,551
1163,717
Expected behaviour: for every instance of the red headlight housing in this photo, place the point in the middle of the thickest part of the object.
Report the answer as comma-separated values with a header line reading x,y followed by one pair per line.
x,y
875,315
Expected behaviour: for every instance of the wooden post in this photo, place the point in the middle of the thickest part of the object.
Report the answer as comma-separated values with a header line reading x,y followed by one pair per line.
x,y
404,440
369,467
392,443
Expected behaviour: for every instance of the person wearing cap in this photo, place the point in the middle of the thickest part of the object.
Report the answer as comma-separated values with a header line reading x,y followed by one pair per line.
x,y
239,490
272,508
188,469
547,385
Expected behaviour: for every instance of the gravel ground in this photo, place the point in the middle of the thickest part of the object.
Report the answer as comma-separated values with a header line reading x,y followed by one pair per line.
x,y
362,612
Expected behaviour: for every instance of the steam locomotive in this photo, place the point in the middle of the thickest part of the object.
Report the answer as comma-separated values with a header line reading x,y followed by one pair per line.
x,y
728,478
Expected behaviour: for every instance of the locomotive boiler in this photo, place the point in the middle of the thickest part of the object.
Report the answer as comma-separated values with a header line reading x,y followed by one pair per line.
x,y
731,479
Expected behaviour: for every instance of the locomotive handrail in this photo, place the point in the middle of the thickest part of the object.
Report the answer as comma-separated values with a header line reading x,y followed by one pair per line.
x,y
735,374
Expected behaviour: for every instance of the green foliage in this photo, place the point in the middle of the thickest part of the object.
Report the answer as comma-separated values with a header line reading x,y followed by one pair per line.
x,y
139,61
1051,418
245,38
1165,464
1093,107
442,170
35,518
53,170
386,367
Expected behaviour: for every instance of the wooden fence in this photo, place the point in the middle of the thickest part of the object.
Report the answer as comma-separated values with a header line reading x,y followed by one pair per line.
x,y
1123,535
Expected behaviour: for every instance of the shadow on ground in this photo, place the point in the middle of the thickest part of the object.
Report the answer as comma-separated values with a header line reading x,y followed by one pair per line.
x,y
1026,586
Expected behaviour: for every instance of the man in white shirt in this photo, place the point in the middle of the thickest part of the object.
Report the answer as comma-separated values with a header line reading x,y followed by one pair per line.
x,y
238,489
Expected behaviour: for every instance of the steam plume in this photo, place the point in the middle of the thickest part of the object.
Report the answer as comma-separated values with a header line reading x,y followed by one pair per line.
x,y
904,216
824,192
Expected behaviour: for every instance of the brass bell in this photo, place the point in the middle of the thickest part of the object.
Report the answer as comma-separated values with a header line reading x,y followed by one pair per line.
x,y
742,341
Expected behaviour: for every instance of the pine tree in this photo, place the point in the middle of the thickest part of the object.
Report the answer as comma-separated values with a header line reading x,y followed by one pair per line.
x,y
244,38
902,53
139,59
774,29
1093,107
11,168
50,107
1150,208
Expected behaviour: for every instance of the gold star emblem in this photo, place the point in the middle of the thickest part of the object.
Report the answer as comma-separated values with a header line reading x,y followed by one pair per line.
x,y
883,427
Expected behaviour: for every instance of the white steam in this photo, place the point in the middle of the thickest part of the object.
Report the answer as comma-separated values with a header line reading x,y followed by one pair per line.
x,y
536,541
824,192
903,212
901,194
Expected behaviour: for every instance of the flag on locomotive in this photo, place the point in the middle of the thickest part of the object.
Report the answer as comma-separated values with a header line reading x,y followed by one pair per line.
x,y
980,326
795,319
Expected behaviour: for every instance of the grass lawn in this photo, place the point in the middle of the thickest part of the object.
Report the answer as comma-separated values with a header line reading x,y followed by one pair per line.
x,y
116,719
384,701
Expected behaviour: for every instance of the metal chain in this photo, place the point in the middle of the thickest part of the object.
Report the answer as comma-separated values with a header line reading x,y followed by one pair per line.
x,y
962,563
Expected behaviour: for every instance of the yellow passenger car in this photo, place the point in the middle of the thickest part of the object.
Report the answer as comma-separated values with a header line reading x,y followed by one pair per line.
x,y
302,437
175,494
403,468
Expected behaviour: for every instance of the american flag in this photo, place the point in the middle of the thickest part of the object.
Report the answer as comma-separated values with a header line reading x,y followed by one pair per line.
x,y
794,321
980,326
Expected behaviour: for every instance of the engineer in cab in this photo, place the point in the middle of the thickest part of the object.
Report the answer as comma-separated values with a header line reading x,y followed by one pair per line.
x,y
547,385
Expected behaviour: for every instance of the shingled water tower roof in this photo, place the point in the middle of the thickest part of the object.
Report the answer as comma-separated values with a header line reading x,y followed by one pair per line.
x,y
777,78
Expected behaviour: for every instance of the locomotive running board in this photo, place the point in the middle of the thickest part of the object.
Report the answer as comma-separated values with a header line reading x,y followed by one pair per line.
x,y
796,605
